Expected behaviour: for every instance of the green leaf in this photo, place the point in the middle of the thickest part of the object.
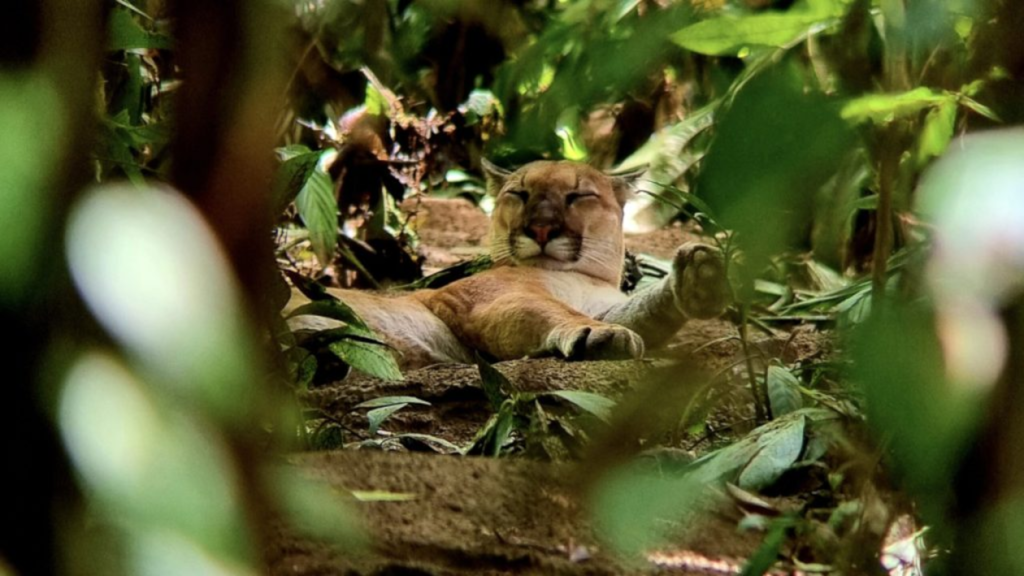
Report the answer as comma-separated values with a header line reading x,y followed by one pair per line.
x,y
727,35
375,103
762,456
319,211
372,358
503,428
493,382
777,451
127,34
391,401
301,367
768,552
783,391
333,309
980,108
760,167
567,129
588,401
937,132
377,416
435,443
882,108
382,496
292,175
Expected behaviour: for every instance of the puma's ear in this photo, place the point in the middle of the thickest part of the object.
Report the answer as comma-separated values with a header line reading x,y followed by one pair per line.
x,y
496,176
623,181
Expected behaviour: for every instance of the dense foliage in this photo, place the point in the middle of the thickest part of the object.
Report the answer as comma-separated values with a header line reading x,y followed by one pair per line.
x,y
828,146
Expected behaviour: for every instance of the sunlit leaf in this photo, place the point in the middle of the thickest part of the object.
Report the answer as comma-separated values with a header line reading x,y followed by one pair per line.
x,y
382,496
936,133
319,210
880,108
728,34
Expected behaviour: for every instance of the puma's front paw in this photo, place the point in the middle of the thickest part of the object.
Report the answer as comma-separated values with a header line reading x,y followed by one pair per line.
x,y
701,288
603,342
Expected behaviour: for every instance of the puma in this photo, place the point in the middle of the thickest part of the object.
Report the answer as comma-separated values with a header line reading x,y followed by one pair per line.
x,y
557,247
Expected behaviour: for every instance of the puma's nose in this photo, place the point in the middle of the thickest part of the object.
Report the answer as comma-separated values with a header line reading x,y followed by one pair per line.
x,y
541,233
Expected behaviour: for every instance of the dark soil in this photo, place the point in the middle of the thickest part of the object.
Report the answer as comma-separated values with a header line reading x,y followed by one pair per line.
x,y
472,515
478,516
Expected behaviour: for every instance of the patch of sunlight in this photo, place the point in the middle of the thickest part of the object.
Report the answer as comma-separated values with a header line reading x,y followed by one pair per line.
x,y
151,271
159,553
972,197
108,424
147,464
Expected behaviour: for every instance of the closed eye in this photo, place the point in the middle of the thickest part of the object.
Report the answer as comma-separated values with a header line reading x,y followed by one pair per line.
x,y
522,195
572,197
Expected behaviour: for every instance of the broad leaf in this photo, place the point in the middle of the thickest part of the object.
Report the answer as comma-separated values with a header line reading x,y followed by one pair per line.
x,y
377,416
319,211
728,35
777,451
333,309
783,391
372,358
297,167
588,401
762,456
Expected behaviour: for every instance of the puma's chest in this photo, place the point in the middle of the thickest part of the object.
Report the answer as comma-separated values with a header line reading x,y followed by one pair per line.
x,y
582,293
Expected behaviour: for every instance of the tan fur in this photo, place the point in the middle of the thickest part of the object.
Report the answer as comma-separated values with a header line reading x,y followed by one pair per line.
x,y
556,241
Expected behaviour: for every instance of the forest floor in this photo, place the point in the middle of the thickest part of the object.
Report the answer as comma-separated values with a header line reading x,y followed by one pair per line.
x,y
476,515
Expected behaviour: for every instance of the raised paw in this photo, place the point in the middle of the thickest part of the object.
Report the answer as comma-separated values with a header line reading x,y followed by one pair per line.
x,y
701,288
600,342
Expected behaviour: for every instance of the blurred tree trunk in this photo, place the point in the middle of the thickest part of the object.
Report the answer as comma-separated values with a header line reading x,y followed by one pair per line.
x,y
233,90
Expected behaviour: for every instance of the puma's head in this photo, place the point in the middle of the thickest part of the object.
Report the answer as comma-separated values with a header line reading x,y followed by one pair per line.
x,y
559,216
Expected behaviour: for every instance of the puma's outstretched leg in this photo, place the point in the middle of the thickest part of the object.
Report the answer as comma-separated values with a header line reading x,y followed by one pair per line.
x,y
696,287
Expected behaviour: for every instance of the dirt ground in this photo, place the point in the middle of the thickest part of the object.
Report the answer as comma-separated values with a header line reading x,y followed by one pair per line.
x,y
474,515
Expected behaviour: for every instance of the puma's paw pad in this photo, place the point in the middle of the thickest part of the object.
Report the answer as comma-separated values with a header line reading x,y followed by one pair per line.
x,y
701,288
603,343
